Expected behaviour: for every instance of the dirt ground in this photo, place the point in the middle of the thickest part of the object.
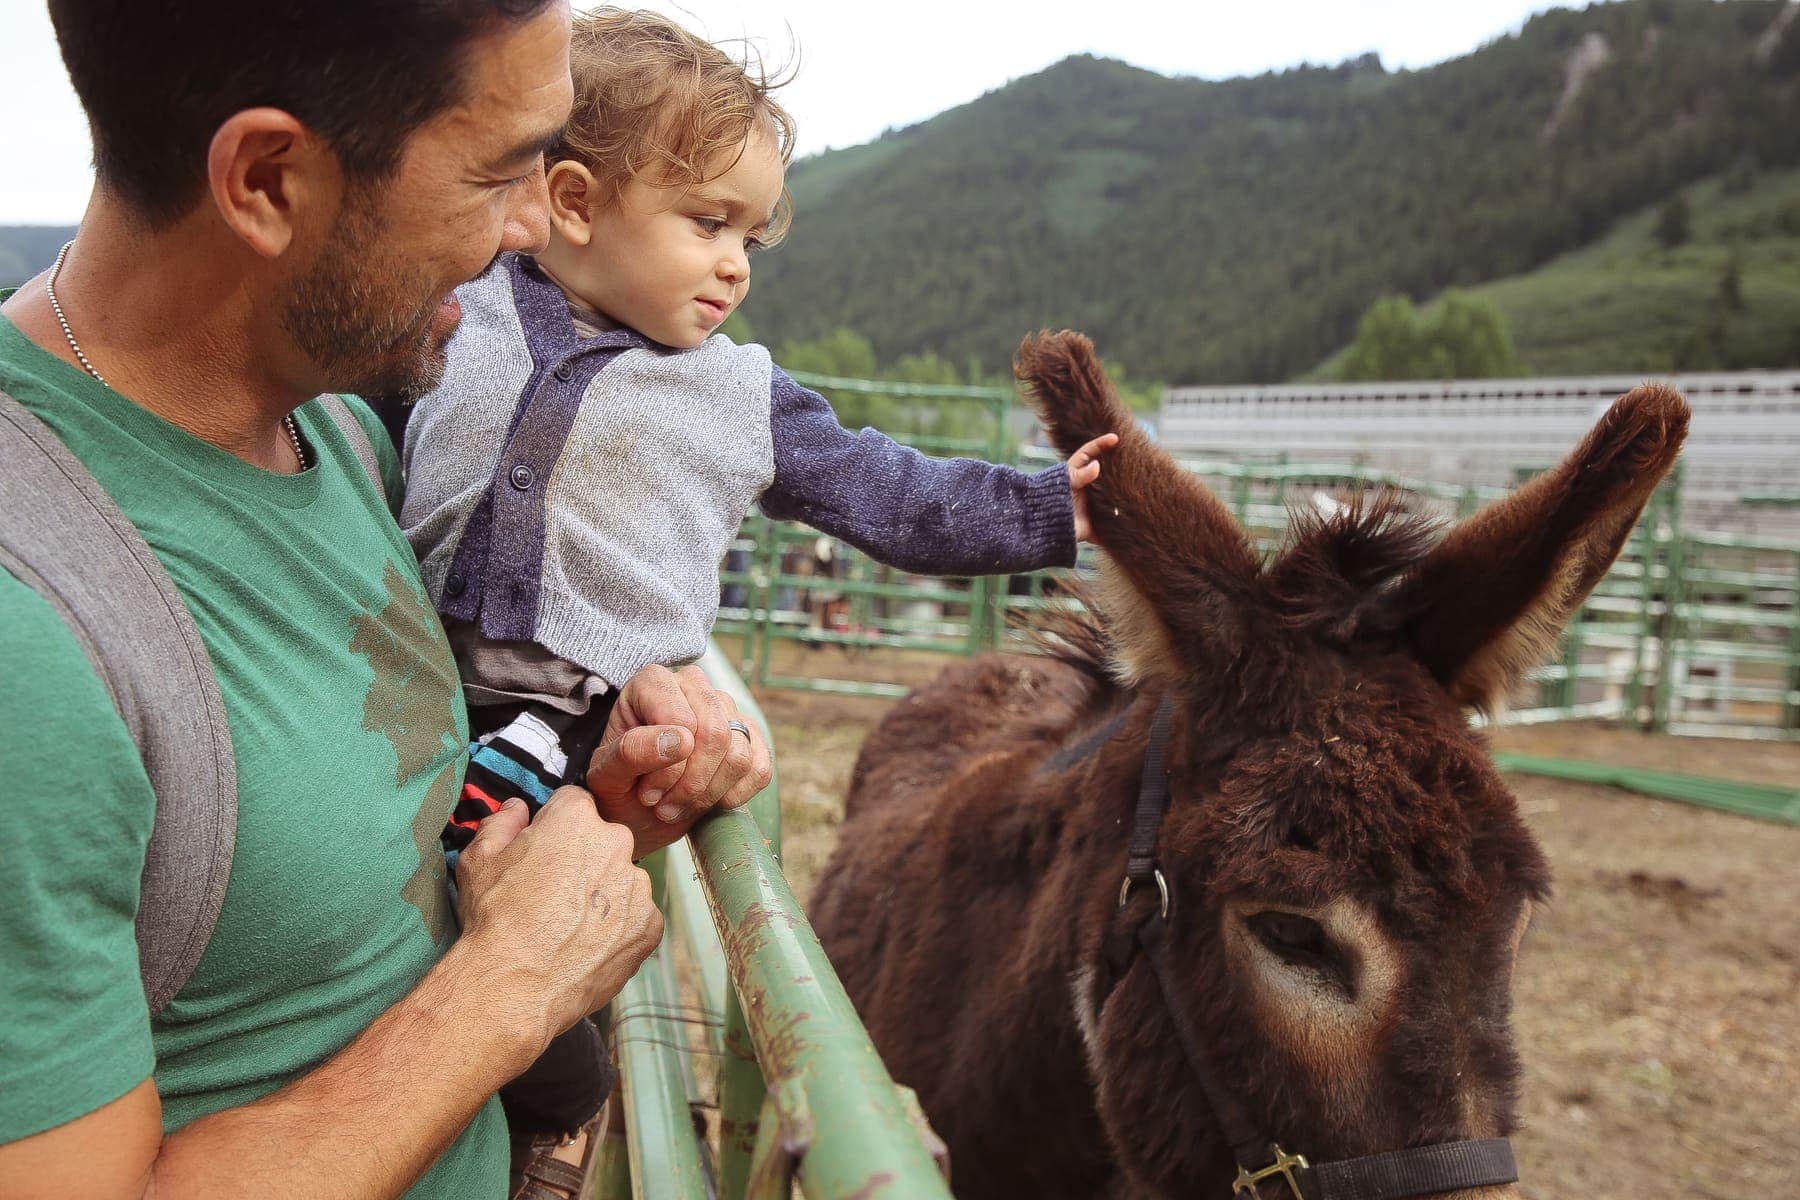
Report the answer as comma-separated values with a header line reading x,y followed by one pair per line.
x,y
1657,998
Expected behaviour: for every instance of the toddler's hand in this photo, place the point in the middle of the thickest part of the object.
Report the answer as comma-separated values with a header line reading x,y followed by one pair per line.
x,y
671,752
1084,468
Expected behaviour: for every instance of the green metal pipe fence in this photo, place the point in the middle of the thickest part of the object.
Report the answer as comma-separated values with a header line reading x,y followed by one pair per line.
x,y
666,1157
1746,799
802,1096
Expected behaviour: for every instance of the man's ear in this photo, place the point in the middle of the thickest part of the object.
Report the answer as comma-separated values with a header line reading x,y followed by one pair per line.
x,y
574,194
269,175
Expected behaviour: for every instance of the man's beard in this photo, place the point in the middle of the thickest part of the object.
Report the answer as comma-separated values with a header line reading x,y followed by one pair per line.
x,y
365,321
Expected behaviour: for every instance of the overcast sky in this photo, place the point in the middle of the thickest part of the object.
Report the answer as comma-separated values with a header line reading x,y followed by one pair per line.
x,y
862,67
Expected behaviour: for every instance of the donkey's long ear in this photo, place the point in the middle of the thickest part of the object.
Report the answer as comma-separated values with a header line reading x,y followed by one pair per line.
x,y
1489,601
1175,558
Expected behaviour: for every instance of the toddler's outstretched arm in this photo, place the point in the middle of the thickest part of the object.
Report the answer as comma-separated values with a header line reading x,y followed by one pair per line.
x,y
932,516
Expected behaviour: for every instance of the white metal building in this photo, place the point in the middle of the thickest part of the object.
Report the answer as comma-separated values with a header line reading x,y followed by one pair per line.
x,y
1743,449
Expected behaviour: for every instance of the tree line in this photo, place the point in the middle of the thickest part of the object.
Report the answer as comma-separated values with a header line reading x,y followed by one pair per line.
x,y
1240,230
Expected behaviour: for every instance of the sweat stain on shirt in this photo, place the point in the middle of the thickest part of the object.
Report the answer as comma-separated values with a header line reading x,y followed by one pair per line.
x,y
410,702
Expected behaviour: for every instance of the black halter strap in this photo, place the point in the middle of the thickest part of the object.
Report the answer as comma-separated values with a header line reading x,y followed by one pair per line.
x,y
1396,1175
1153,801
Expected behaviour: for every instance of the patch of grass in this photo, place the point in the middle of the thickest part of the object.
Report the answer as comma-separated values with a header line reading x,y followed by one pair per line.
x,y
1629,304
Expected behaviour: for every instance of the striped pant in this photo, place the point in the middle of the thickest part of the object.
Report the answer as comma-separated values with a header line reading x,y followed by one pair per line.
x,y
525,751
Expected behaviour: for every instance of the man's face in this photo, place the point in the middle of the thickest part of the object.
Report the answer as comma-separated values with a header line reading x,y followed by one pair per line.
x,y
374,310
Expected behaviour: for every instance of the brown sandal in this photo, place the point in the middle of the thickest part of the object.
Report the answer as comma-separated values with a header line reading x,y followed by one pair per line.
x,y
537,1175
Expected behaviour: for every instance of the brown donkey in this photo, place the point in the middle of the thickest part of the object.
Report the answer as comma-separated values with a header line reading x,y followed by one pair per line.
x,y
1348,877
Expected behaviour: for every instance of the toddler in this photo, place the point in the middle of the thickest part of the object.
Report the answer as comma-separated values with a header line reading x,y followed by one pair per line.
x,y
576,477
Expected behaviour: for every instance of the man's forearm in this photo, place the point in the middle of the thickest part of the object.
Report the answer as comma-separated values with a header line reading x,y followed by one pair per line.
x,y
555,920
370,1121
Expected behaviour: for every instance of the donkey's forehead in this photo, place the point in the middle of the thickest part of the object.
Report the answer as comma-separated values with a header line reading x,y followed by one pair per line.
x,y
1376,724
1350,778
1351,773
1356,802
1300,682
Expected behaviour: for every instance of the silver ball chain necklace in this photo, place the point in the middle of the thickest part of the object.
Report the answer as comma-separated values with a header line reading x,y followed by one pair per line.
x,y
287,422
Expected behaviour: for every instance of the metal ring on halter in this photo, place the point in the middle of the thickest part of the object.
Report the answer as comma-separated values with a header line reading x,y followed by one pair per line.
x,y
743,729
1162,890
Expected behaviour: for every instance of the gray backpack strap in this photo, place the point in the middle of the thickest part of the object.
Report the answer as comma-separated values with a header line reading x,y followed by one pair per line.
x,y
358,437
63,536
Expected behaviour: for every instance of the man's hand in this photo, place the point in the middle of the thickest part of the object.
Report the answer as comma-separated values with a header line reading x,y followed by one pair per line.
x,y
555,920
1084,468
669,754
558,912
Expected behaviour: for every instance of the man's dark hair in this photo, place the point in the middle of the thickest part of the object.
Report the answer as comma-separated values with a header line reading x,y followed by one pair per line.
x,y
158,79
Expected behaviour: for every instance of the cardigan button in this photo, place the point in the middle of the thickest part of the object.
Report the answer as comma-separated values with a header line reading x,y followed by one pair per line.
x,y
521,477
454,584
563,371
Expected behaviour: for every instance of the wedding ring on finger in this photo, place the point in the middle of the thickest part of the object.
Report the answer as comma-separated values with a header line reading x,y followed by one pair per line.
x,y
743,729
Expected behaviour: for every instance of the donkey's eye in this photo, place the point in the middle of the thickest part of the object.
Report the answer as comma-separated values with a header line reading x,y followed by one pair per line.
x,y
1289,933
1302,942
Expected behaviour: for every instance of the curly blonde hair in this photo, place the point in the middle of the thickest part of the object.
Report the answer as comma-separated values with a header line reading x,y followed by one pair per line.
x,y
656,104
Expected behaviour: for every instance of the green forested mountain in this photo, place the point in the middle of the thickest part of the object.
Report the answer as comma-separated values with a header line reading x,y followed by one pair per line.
x,y
1237,230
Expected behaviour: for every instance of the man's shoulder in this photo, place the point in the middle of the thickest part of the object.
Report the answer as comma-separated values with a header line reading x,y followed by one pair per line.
x,y
33,634
45,664
363,411
385,427
54,701
22,360
77,1033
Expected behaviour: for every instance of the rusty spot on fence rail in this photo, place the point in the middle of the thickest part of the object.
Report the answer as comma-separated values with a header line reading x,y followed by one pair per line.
x,y
876,1184
780,1055
751,933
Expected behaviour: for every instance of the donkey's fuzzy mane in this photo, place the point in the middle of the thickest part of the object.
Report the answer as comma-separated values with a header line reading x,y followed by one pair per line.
x,y
1333,576
1330,581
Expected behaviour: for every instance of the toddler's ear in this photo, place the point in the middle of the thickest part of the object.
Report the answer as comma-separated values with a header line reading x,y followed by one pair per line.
x,y
573,191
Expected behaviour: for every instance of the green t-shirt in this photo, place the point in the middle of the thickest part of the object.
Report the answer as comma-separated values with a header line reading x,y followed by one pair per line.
x,y
350,737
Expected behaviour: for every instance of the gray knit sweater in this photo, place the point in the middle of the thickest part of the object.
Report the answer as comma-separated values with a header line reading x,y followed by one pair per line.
x,y
579,493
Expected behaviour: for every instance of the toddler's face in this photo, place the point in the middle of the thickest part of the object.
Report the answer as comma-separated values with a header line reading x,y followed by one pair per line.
x,y
673,263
